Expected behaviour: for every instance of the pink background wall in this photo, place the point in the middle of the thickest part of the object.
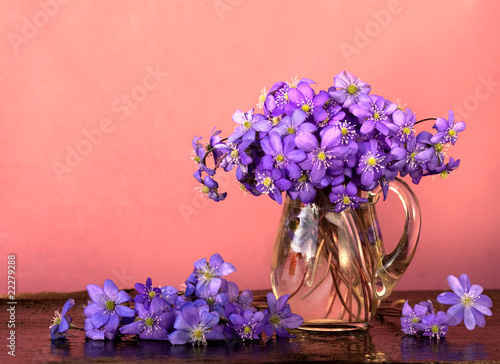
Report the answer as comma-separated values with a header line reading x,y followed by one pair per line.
x,y
100,101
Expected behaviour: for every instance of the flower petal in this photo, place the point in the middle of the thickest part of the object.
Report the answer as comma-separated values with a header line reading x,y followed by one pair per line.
x,y
469,320
453,281
448,298
110,288
96,293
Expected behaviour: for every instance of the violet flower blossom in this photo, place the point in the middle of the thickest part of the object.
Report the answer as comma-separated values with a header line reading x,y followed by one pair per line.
x,y
469,304
106,309
282,154
146,293
195,325
349,89
344,197
249,325
61,322
434,325
152,323
280,317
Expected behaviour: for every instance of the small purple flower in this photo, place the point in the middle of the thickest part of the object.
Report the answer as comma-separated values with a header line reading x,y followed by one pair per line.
x,y
447,129
403,125
413,316
97,334
303,188
433,155
106,309
295,124
209,189
304,99
282,154
243,299
272,183
371,163
61,322
214,294
247,326
446,169
349,89
169,295
195,325
374,114
248,124
434,325
199,155
146,293
214,268
327,155
152,323
280,317
468,303
344,197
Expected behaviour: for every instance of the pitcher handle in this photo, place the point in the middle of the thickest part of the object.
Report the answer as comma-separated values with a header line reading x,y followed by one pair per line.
x,y
390,267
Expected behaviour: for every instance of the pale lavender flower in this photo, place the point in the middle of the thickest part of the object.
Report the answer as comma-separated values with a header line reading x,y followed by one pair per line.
x,y
215,268
447,129
106,308
413,316
248,124
349,89
196,325
468,303
434,325
61,322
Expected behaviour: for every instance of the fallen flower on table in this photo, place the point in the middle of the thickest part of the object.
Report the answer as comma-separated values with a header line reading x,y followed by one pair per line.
x,y
469,305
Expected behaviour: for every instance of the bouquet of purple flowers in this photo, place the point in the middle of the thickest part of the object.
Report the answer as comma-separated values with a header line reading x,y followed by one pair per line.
x,y
339,141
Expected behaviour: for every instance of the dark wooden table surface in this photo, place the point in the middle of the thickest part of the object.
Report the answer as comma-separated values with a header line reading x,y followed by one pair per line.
x,y
382,342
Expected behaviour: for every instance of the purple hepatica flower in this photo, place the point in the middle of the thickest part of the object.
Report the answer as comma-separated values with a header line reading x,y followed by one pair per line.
x,y
468,302
303,98
236,155
215,268
373,114
97,334
209,189
214,294
349,90
106,309
153,323
146,293
403,125
293,125
413,316
272,183
248,124
169,295
61,321
303,188
434,325
345,197
446,169
199,156
247,326
371,163
195,325
347,130
433,156
328,155
282,154
243,300
280,317
447,129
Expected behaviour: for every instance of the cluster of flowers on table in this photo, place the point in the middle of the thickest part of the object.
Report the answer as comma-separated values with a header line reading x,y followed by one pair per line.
x,y
210,308
338,141
468,305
